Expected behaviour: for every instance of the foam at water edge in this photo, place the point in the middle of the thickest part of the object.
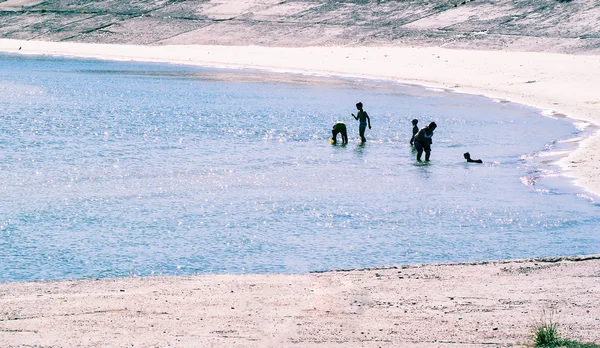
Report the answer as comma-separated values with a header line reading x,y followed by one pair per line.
x,y
570,140
584,196
528,181
434,89
548,113
553,154
528,156
581,125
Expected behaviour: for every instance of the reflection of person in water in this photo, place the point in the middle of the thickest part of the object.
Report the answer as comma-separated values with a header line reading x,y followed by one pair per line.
x,y
470,160
423,141
339,127
415,130
364,120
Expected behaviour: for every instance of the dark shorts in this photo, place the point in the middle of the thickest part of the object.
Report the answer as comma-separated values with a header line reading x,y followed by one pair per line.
x,y
421,147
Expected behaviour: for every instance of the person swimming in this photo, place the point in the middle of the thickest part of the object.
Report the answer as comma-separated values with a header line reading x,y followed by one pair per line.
x,y
467,156
339,127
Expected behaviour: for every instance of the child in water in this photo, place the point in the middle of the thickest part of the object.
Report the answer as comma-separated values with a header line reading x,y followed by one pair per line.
x,y
470,160
339,127
423,141
364,120
415,130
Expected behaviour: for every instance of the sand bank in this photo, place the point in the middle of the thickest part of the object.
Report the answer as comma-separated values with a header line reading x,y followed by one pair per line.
x,y
455,305
556,83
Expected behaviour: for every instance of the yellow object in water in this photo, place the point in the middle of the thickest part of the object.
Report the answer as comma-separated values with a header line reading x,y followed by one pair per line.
x,y
330,140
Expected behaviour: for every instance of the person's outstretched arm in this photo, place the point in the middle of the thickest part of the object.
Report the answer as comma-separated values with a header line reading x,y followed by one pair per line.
x,y
355,117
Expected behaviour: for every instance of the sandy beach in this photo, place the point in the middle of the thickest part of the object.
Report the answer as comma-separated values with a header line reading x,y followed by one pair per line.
x,y
494,303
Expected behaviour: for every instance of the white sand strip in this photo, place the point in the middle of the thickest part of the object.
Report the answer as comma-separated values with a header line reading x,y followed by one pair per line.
x,y
464,305
565,84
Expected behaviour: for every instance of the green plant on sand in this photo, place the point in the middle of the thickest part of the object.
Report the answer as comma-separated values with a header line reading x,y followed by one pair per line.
x,y
546,335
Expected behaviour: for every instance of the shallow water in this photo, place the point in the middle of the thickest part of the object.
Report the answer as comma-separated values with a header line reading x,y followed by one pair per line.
x,y
111,169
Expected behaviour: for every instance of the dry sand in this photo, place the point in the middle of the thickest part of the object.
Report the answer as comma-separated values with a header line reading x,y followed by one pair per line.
x,y
478,305
494,304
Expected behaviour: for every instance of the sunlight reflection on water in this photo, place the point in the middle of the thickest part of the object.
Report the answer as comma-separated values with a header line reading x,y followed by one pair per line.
x,y
113,169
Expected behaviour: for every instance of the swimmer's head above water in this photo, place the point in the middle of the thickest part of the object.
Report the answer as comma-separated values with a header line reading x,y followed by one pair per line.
x,y
467,156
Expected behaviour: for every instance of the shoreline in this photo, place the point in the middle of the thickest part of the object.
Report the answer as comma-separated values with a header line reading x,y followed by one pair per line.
x,y
479,304
534,79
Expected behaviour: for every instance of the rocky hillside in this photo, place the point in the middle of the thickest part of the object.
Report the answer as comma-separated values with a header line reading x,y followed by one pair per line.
x,y
571,26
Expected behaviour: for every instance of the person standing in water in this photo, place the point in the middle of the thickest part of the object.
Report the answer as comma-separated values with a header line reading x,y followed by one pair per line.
x,y
339,127
423,141
415,130
364,120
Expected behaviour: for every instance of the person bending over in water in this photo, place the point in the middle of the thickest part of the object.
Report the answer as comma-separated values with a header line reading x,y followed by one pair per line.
x,y
415,131
470,160
339,127
423,141
364,120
